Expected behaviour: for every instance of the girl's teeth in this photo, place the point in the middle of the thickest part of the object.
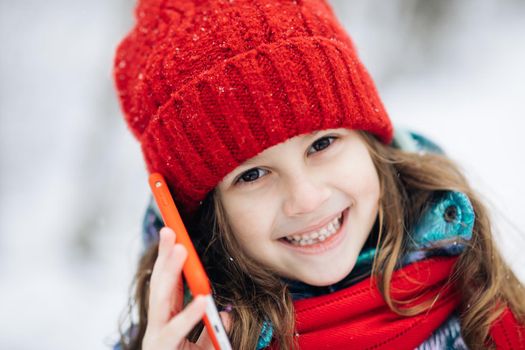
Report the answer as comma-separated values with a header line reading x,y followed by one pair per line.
x,y
314,237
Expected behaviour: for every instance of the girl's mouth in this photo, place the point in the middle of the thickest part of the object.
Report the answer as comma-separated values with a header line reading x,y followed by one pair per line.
x,y
321,240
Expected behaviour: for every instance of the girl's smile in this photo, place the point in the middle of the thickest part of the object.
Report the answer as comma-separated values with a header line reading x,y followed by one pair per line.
x,y
305,207
321,240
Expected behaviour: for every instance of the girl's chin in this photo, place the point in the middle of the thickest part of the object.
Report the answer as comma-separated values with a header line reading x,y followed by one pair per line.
x,y
322,278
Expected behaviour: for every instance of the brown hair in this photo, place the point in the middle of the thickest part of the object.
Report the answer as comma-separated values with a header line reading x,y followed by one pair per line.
x,y
258,294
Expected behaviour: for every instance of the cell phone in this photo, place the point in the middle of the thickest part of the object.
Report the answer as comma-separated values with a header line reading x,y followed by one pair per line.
x,y
192,269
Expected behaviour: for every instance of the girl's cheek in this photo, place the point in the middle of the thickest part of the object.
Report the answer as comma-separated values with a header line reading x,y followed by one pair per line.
x,y
243,214
256,223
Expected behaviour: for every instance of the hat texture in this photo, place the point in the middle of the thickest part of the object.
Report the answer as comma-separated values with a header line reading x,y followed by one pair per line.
x,y
206,85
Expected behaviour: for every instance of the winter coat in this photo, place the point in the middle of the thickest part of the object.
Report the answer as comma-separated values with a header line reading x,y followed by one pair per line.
x,y
447,222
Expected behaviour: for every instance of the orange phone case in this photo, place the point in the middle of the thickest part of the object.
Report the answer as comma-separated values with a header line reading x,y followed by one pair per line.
x,y
193,270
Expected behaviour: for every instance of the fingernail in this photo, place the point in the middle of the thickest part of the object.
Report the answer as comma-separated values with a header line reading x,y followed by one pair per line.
x,y
162,234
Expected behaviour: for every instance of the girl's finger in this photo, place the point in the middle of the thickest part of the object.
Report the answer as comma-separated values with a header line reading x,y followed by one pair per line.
x,y
177,301
164,293
164,289
179,326
204,340
166,241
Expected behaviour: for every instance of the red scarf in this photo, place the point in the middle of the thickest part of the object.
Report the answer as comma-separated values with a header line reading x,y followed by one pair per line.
x,y
357,317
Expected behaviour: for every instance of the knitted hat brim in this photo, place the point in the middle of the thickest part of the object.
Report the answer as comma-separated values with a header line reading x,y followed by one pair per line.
x,y
255,100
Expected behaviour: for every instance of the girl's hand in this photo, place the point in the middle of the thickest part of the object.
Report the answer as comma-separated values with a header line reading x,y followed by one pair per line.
x,y
168,324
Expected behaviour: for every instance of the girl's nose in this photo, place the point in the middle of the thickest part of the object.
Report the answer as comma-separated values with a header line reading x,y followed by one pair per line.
x,y
304,196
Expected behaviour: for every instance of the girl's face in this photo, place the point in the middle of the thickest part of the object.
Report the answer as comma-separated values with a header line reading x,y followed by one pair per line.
x,y
305,207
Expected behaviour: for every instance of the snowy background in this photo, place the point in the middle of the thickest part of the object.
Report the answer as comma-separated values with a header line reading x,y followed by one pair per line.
x,y
72,182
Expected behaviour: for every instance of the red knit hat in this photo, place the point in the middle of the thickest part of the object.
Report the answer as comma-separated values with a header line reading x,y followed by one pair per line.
x,y
207,84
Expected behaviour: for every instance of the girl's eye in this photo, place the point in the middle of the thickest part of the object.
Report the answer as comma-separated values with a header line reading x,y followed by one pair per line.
x,y
250,175
321,144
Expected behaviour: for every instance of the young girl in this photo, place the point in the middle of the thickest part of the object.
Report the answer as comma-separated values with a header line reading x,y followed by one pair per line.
x,y
319,226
